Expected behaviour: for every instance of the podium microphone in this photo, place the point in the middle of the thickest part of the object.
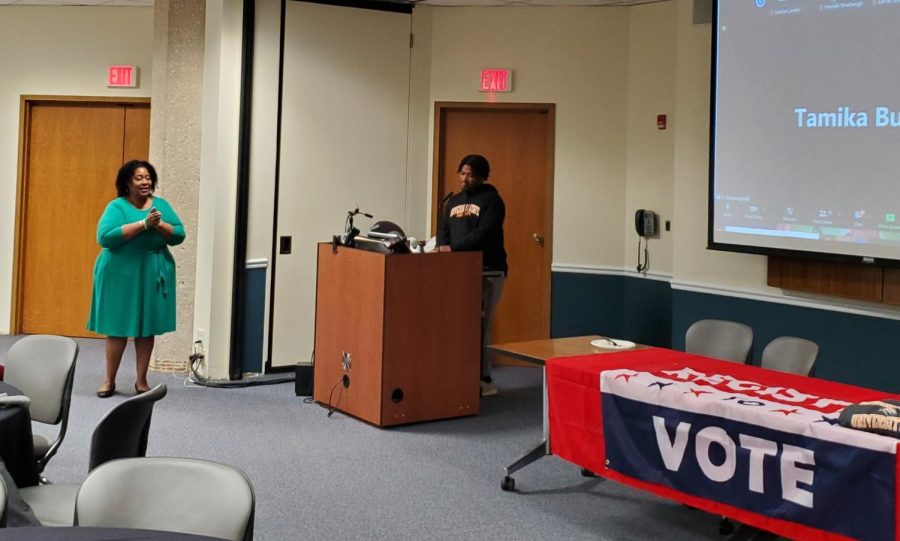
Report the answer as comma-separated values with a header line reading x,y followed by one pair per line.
x,y
443,207
442,211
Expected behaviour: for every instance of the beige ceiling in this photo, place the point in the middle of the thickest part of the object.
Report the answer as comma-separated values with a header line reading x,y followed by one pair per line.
x,y
426,2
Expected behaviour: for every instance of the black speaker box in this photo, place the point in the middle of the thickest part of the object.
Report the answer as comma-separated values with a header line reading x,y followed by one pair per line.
x,y
303,384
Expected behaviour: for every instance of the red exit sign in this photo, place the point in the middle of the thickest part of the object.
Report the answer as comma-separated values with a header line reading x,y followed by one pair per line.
x,y
122,76
496,80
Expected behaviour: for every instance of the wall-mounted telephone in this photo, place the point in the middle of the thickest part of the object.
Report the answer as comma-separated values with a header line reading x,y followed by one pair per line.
x,y
645,223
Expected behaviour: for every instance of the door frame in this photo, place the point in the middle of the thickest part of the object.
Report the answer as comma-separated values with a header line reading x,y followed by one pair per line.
x,y
441,108
26,104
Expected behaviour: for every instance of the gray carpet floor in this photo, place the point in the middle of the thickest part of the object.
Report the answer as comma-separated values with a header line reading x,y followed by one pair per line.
x,y
319,477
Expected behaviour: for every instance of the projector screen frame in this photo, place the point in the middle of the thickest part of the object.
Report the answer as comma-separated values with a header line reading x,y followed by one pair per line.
x,y
711,243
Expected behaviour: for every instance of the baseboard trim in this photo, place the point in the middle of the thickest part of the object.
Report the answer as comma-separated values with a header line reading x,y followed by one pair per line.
x,y
608,271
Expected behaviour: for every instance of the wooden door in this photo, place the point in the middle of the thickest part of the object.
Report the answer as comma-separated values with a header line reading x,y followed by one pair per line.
x,y
517,140
71,154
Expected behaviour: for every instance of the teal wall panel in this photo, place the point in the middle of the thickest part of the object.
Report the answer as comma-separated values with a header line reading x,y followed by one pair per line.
x,y
856,349
586,304
254,313
616,306
647,312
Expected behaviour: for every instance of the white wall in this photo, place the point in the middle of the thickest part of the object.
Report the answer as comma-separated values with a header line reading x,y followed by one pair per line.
x,y
609,71
58,51
692,262
344,140
576,58
264,123
421,111
218,181
652,32
264,146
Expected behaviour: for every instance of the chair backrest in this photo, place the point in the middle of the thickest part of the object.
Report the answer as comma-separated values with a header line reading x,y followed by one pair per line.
x,y
43,367
2,503
719,339
791,354
172,494
123,431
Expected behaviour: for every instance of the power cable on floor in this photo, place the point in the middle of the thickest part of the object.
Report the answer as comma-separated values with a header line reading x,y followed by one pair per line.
x,y
197,358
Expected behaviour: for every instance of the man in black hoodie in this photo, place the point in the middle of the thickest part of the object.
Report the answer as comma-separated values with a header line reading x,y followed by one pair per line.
x,y
472,220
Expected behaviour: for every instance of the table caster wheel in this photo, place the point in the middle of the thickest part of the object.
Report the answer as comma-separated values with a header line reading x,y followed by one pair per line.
x,y
587,473
508,484
726,527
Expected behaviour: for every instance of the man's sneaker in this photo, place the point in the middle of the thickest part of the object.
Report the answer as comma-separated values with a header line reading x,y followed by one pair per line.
x,y
488,389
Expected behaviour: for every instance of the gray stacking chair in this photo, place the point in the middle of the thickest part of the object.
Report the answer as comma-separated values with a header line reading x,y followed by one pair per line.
x,y
171,494
121,433
719,339
43,368
791,354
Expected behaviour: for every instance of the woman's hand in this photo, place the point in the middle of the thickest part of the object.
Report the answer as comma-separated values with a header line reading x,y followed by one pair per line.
x,y
153,222
154,217
159,226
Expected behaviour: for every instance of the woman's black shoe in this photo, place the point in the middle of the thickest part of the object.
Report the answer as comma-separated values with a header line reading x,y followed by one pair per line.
x,y
106,392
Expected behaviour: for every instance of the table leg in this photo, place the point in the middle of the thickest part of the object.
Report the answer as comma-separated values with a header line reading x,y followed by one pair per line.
x,y
542,450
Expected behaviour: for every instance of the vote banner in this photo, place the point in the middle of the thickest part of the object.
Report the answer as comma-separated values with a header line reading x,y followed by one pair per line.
x,y
760,446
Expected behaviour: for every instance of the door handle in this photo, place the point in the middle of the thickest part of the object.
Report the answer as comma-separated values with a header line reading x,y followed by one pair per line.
x,y
538,239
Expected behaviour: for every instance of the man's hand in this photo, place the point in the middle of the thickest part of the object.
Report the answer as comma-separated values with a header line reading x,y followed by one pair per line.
x,y
444,249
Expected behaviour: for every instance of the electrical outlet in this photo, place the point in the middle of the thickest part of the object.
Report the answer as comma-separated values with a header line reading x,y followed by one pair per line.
x,y
201,335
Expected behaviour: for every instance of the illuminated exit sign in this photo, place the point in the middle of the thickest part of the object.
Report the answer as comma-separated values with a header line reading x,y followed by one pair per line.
x,y
496,80
122,76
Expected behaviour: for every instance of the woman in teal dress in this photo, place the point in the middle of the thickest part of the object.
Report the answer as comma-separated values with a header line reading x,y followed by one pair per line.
x,y
134,276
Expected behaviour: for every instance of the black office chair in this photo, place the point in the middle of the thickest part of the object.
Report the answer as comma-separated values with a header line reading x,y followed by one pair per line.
x,y
121,433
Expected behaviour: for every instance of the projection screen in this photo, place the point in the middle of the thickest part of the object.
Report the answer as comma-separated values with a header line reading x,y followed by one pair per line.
x,y
805,128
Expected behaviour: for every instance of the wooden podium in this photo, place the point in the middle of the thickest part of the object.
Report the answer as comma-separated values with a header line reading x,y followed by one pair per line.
x,y
398,336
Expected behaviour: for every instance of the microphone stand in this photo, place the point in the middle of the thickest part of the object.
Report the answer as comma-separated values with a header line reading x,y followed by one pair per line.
x,y
443,210
350,232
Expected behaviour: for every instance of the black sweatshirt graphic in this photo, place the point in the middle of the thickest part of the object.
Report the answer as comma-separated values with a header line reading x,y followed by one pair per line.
x,y
473,221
